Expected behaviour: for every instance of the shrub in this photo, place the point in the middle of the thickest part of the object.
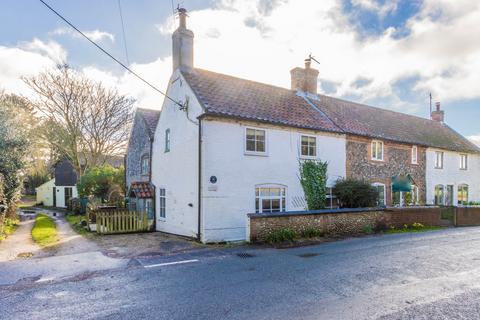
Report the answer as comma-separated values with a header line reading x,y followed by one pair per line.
x,y
98,181
281,235
353,193
312,233
380,226
368,229
313,178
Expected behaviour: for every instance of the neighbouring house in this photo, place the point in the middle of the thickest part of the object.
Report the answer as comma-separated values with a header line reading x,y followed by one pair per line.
x,y
138,162
229,146
58,191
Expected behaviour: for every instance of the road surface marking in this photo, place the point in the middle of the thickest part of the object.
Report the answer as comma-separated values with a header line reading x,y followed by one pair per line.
x,y
169,263
45,279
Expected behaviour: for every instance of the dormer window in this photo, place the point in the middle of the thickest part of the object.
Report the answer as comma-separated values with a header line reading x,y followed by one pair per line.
x,y
377,150
414,155
145,163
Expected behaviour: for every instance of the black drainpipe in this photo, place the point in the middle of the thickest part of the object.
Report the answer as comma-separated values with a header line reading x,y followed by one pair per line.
x,y
199,236
154,200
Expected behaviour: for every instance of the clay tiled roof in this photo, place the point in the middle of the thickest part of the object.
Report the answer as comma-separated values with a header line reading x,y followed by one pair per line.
x,y
379,123
151,119
142,189
228,96
233,97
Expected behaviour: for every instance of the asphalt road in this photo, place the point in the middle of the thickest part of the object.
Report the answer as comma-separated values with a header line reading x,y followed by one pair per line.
x,y
433,275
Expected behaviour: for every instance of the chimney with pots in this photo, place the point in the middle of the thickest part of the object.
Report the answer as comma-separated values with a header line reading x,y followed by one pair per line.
x,y
182,44
304,79
437,114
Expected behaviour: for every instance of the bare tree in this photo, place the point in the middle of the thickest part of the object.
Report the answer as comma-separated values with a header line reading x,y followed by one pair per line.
x,y
83,120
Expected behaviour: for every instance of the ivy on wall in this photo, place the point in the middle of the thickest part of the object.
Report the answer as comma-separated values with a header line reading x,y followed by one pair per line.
x,y
313,178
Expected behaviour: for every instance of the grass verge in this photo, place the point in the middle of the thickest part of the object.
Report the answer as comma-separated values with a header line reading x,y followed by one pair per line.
x,y
75,222
10,226
407,230
44,232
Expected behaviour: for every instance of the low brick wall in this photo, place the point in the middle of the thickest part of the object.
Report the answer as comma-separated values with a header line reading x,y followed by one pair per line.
x,y
467,216
343,221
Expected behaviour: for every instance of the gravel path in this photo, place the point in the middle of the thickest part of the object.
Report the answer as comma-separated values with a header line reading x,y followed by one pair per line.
x,y
70,241
19,242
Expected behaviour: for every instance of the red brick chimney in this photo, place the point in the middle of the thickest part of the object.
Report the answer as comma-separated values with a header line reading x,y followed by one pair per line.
x,y
304,79
437,114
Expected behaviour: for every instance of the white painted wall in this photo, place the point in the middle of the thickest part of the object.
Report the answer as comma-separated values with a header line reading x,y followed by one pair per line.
x,y
225,204
177,170
451,174
61,195
45,193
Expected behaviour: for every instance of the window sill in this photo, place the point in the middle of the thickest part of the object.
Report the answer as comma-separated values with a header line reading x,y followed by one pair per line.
x,y
462,169
377,160
259,154
308,157
439,168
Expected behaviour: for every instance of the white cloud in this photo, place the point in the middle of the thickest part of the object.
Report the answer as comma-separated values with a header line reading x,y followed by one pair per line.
x,y
475,139
237,37
157,73
95,35
50,49
26,60
262,40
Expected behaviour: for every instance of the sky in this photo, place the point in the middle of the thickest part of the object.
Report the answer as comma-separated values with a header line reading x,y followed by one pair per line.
x,y
390,54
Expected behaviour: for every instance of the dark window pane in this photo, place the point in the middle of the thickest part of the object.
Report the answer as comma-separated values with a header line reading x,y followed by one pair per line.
x,y
275,205
260,146
250,145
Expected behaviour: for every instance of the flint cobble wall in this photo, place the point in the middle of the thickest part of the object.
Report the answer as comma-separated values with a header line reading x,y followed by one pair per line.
x,y
397,160
342,222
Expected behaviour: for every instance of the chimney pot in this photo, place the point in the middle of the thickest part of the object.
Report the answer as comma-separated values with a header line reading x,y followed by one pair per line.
x,y
304,79
438,114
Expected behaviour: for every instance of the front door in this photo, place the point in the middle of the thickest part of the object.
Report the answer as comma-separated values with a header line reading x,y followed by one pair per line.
x,y
449,196
54,196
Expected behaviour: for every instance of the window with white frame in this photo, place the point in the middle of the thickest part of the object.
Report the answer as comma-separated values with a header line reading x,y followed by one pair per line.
x,y
167,140
162,203
377,150
438,159
382,193
381,201
439,195
255,140
462,195
145,164
270,199
308,146
463,162
414,155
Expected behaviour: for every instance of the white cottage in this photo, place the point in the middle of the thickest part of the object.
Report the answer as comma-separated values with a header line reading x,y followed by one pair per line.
x,y
233,146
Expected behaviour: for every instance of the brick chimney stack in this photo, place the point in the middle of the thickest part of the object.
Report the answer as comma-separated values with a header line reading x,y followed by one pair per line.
x,y
437,114
182,44
304,79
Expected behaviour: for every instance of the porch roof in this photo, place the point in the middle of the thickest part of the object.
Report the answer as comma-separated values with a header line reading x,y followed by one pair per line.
x,y
141,189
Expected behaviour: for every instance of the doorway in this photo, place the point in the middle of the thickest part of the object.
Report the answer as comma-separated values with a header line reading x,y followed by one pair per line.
x,y
54,196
